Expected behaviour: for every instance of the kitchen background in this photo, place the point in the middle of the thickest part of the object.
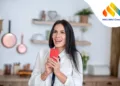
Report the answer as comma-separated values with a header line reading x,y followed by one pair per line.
x,y
103,52
21,13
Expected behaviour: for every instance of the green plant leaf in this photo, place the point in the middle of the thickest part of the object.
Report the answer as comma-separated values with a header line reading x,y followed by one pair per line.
x,y
85,11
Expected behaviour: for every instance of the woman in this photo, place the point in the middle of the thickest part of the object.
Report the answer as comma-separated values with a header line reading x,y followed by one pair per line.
x,y
67,69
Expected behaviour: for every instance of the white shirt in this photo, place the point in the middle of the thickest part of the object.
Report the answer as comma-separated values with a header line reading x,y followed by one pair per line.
x,y
74,78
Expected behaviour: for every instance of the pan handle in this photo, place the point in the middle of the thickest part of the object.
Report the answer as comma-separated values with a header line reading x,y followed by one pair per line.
x,y
22,36
9,27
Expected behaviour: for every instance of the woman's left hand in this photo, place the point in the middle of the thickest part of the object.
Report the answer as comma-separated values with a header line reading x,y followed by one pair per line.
x,y
55,64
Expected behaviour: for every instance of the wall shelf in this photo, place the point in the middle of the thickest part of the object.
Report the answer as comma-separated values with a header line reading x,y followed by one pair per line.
x,y
81,43
39,22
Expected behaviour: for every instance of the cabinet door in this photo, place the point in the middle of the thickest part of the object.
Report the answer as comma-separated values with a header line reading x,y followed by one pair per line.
x,y
89,83
107,84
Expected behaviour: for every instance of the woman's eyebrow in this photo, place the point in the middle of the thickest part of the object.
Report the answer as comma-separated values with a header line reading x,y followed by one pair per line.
x,y
54,30
62,30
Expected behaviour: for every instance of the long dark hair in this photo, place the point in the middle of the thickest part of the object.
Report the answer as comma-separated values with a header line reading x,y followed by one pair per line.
x,y
70,46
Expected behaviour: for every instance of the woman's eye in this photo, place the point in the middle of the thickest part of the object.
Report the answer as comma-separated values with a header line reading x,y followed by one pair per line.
x,y
54,31
62,32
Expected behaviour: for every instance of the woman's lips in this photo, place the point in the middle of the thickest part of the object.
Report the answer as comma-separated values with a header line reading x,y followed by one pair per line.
x,y
58,41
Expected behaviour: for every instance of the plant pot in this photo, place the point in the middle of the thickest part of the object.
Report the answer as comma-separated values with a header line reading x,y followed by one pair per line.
x,y
85,69
83,19
85,72
84,66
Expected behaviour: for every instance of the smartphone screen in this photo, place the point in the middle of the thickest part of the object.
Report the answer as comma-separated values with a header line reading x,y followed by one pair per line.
x,y
54,53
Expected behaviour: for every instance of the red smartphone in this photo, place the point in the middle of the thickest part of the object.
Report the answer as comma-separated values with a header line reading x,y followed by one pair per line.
x,y
54,53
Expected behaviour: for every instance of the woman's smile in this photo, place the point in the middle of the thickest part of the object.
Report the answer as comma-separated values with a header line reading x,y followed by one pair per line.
x,y
59,36
57,41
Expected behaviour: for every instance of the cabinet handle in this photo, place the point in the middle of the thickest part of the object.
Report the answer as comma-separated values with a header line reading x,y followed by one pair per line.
x,y
109,83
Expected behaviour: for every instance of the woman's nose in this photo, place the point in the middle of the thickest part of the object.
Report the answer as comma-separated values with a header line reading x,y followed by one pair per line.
x,y
58,35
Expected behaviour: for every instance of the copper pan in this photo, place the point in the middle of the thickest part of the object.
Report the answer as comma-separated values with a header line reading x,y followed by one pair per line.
x,y
21,48
9,40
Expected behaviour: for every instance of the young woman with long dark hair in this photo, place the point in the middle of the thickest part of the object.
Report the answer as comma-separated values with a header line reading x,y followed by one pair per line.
x,y
67,69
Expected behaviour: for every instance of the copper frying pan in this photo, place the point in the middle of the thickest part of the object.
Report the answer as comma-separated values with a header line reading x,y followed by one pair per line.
x,y
9,40
21,48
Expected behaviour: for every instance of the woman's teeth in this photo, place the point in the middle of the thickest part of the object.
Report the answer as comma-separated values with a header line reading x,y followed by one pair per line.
x,y
58,41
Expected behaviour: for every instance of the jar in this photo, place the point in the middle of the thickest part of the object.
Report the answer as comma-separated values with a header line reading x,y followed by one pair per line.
x,y
7,70
16,68
43,16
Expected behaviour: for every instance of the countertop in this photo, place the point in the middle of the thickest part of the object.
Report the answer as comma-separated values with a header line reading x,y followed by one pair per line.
x,y
87,78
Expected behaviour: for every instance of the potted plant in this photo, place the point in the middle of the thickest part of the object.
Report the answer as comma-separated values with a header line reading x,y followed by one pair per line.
x,y
85,58
84,14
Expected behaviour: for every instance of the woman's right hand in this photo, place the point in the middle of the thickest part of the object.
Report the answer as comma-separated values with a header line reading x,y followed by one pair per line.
x,y
48,68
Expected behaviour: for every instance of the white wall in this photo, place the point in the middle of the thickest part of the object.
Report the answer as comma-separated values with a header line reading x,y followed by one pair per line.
x,y
21,13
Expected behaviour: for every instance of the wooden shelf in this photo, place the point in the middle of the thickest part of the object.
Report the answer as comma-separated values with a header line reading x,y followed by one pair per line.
x,y
38,21
81,43
39,41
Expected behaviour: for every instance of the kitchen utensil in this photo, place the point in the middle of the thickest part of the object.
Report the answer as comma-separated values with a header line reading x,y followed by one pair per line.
x,y
7,70
16,68
43,16
38,36
26,67
21,48
9,40
1,25
24,73
52,15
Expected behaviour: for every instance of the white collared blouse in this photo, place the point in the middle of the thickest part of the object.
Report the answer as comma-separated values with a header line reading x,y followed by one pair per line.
x,y
74,78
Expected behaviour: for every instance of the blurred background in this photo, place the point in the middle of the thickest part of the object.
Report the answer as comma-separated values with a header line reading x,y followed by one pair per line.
x,y
30,22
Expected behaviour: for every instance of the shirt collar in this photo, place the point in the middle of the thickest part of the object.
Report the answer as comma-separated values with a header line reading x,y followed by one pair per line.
x,y
62,53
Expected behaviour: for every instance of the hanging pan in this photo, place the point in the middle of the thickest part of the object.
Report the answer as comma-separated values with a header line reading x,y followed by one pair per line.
x,y
9,40
21,48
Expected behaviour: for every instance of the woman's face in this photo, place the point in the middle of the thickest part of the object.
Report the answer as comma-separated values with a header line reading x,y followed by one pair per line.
x,y
59,36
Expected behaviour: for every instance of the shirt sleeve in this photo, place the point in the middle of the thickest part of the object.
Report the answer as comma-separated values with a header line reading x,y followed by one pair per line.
x,y
35,79
76,79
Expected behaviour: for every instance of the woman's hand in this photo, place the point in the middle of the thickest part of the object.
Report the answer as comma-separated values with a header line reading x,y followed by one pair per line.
x,y
48,70
48,67
55,64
